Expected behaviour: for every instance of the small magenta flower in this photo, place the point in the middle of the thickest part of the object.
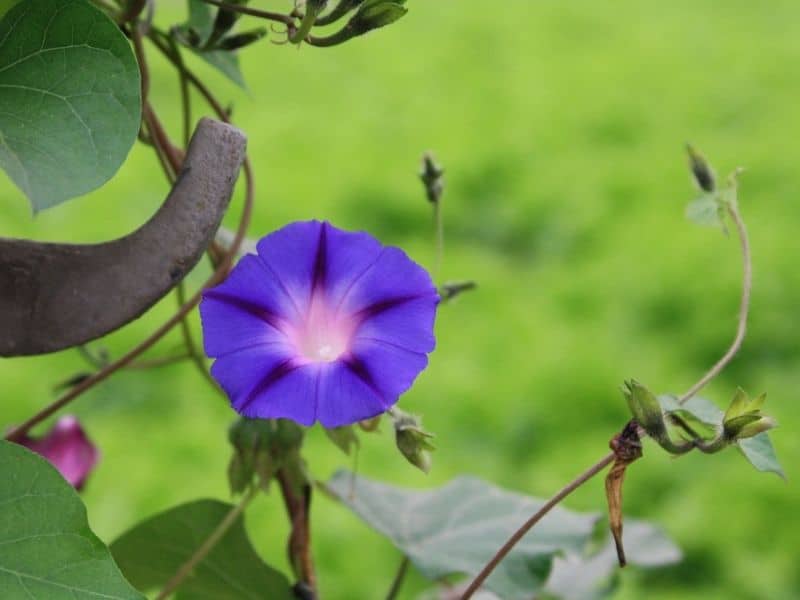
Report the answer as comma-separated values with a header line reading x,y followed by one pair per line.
x,y
68,449
322,324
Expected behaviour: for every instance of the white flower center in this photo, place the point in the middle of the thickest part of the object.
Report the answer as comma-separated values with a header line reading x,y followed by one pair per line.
x,y
324,336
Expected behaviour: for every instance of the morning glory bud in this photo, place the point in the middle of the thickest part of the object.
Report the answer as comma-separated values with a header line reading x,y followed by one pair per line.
x,y
240,40
432,176
701,171
261,447
744,418
372,14
68,449
646,409
412,441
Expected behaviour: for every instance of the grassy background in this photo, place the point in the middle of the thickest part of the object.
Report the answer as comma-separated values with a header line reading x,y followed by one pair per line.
x,y
561,126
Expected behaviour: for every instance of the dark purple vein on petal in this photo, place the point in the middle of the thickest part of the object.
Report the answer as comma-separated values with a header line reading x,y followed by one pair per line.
x,y
376,308
275,374
360,370
319,270
247,306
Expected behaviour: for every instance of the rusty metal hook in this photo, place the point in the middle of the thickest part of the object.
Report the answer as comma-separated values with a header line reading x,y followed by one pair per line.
x,y
54,296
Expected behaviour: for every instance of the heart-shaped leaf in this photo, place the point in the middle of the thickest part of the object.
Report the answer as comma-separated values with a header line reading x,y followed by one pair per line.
x,y
457,528
47,550
759,451
577,576
151,552
70,101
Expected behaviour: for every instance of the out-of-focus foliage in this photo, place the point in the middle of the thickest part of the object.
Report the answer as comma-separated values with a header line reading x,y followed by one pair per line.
x,y
562,129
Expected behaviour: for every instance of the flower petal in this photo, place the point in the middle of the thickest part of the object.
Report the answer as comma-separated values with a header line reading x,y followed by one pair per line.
x,y
241,371
392,276
246,309
287,392
349,256
68,449
345,397
390,369
408,324
291,254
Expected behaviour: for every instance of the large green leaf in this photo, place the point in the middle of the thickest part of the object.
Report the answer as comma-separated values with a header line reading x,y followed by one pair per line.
x,y
579,576
457,528
151,552
47,550
70,101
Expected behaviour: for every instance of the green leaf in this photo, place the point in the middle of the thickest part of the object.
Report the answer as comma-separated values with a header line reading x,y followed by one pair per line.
x,y
151,553
761,454
758,450
70,99
201,20
706,210
580,576
5,6
705,411
345,438
458,528
47,550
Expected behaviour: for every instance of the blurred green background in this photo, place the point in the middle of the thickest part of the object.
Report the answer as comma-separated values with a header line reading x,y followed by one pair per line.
x,y
561,126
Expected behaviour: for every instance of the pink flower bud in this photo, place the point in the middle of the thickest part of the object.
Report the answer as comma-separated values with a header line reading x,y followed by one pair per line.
x,y
68,450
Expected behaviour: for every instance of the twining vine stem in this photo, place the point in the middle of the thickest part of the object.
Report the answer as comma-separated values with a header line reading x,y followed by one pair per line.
x,y
744,307
197,557
399,577
254,12
715,370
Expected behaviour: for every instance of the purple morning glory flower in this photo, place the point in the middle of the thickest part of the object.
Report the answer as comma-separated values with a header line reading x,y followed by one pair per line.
x,y
68,449
322,324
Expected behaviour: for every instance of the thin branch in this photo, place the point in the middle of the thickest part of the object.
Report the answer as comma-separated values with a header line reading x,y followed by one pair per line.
x,y
299,548
538,516
208,545
160,361
133,8
744,308
186,98
397,582
254,12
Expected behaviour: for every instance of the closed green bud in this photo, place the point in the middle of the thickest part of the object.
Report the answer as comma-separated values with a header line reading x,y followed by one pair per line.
x,y
261,447
646,409
338,11
701,171
374,14
744,418
412,441
240,40
755,427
